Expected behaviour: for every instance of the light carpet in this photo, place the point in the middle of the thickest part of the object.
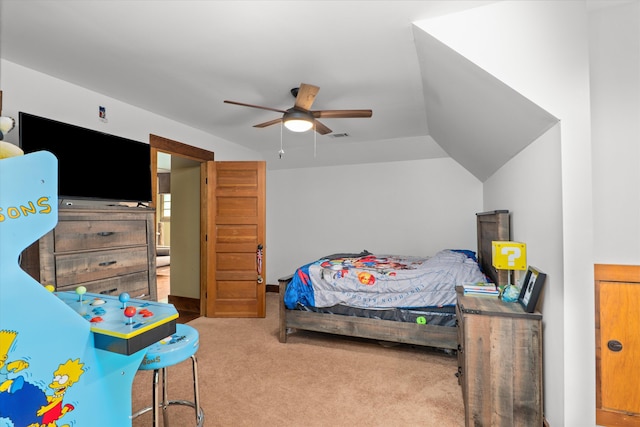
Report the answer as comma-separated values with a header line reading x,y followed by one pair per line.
x,y
248,378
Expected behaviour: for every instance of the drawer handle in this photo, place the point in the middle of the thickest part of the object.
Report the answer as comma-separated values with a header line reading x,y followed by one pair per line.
x,y
109,291
107,263
105,233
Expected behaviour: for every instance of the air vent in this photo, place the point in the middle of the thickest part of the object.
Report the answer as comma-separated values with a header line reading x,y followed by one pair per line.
x,y
339,135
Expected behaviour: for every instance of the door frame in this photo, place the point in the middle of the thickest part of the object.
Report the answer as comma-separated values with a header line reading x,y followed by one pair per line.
x,y
165,145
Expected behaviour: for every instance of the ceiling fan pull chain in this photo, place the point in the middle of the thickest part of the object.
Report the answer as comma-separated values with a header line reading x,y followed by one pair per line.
x,y
281,152
314,139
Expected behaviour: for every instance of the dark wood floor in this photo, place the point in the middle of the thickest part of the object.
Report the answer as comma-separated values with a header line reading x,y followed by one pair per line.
x,y
163,275
186,316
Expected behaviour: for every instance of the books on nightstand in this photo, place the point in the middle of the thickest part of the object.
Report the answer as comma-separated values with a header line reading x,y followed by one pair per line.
x,y
481,289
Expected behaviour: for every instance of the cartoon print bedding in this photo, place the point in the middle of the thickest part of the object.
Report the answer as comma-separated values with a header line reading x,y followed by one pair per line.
x,y
366,280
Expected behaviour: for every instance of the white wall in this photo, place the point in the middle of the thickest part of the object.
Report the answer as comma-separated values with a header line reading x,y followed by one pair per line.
x,y
531,186
615,125
33,92
405,208
540,48
24,89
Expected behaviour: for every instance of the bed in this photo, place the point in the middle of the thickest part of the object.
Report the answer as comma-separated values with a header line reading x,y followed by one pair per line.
x,y
424,324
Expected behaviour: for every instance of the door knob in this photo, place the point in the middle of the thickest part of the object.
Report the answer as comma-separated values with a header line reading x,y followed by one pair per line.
x,y
614,345
259,263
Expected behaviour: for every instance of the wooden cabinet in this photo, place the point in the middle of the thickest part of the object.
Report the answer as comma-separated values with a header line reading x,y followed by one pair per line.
x,y
500,362
617,298
106,250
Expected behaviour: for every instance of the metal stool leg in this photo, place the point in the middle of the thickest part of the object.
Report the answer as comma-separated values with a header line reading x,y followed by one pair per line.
x,y
196,393
165,397
155,400
155,403
199,413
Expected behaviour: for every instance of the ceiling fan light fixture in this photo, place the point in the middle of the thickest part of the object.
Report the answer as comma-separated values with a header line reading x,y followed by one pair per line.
x,y
300,118
297,121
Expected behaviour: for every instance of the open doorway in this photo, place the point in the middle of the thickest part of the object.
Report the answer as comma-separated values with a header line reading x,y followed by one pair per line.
x,y
180,223
178,230
163,227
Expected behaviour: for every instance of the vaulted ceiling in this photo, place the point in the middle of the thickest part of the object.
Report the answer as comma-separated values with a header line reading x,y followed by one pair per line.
x,y
182,59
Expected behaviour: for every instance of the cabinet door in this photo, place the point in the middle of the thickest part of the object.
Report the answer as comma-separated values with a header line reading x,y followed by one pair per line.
x,y
620,342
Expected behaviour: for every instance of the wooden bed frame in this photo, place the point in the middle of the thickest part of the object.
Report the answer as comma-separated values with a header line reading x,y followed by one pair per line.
x,y
491,226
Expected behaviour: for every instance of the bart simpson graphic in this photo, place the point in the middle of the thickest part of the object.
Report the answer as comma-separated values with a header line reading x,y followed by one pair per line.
x,y
9,385
67,375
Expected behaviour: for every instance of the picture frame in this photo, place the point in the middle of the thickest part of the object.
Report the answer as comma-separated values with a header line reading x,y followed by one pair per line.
x,y
531,287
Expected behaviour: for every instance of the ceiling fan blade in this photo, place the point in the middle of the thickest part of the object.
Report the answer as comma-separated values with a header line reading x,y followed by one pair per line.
x,y
321,129
255,106
269,123
341,114
306,96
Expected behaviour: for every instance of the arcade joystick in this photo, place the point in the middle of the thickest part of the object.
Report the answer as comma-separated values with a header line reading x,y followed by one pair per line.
x,y
124,298
81,290
129,312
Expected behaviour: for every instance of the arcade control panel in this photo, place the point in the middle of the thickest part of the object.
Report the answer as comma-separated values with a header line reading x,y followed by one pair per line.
x,y
121,324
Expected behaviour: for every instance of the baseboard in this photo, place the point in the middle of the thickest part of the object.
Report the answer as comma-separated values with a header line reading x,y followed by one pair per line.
x,y
185,304
273,288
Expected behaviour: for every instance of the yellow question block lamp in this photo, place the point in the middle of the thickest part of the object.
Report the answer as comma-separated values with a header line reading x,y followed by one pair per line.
x,y
509,255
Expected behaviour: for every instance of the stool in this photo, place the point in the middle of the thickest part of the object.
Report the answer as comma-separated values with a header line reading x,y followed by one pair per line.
x,y
165,353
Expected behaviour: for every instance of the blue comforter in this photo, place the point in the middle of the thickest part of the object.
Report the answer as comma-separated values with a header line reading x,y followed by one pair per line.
x,y
383,281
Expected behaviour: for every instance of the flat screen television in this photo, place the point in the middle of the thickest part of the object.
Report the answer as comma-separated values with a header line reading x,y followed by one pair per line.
x,y
91,164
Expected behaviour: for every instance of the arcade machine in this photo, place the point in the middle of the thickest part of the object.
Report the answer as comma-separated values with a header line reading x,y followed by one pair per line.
x,y
68,358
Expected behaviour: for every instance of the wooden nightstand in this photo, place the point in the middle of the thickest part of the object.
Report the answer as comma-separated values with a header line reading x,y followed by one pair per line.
x,y
500,362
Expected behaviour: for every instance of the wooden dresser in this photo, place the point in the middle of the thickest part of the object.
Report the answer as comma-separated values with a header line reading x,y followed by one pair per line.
x,y
107,250
500,362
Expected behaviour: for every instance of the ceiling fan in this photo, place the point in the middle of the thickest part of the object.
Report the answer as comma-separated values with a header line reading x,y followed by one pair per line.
x,y
300,117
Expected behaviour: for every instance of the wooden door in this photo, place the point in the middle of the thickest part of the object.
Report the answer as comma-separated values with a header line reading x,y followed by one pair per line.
x,y
621,303
617,345
235,287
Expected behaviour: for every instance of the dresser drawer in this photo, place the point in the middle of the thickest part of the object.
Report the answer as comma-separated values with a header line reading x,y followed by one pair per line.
x,y
135,284
96,234
109,250
77,268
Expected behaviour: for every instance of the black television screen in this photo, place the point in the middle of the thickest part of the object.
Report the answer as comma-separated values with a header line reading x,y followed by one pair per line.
x,y
91,164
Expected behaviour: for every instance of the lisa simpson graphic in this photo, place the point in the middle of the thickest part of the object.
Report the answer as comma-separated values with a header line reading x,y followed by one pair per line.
x,y
64,377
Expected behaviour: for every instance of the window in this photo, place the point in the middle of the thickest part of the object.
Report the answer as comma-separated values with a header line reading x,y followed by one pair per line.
x,y
165,207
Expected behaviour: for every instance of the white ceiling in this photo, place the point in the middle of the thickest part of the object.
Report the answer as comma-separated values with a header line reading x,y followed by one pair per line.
x,y
181,59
